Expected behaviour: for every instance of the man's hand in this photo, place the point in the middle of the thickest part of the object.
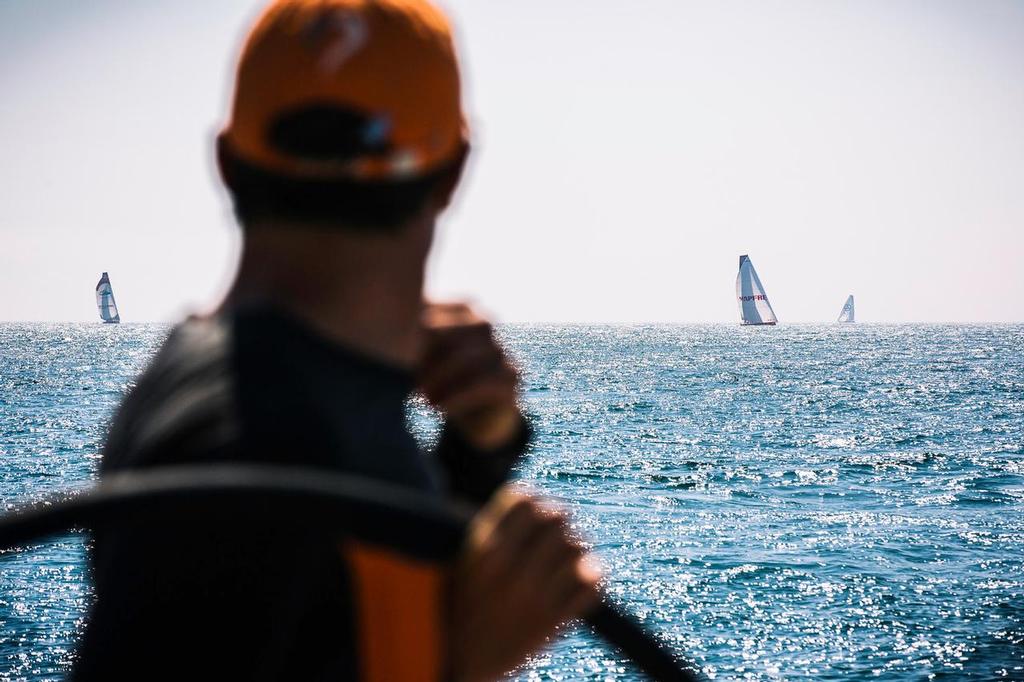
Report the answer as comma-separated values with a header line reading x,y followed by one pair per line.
x,y
464,373
521,575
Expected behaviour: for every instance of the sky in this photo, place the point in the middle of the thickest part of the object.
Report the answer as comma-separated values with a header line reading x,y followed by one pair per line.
x,y
625,155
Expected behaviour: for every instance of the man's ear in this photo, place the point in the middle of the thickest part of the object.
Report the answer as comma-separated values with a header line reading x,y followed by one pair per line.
x,y
224,162
449,182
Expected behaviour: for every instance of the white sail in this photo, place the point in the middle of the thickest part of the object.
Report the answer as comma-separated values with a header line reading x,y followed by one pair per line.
x,y
105,301
754,305
846,315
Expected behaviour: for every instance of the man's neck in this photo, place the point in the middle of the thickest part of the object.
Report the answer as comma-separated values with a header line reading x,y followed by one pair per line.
x,y
365,291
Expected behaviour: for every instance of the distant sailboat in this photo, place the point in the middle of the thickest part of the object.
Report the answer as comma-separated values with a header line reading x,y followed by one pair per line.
x,y
105,301
754,305
846,315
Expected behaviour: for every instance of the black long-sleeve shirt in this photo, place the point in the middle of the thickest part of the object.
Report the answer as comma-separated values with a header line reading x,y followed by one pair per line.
x,y
193,600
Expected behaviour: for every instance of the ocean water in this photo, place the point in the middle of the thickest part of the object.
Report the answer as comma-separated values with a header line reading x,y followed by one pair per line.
x,y
791,503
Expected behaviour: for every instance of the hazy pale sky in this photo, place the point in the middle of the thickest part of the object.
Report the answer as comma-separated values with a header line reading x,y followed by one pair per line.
x,y
625,155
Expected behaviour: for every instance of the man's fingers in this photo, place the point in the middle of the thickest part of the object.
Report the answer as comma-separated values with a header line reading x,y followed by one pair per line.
x,y
452,321
445,373
440,346
583,601
466,401
443,314
502,534
553,548
456,329
573,588
529,542
450,324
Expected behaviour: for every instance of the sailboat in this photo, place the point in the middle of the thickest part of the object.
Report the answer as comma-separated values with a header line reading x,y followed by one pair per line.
x,y
754,305
105,301
846,314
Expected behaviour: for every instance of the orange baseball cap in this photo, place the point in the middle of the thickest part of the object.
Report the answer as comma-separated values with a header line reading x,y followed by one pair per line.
x,y
348,89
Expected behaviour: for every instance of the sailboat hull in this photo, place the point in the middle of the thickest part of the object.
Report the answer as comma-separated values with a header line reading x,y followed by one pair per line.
x,y
757,324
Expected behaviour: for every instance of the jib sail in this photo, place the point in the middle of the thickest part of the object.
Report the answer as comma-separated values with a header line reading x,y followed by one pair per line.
x,y
846,315
105,301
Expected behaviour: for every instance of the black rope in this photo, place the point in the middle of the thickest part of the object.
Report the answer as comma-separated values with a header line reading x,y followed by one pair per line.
x,y
371,511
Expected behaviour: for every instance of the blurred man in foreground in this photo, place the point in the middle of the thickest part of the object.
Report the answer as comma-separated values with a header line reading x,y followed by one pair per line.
x,y
346,142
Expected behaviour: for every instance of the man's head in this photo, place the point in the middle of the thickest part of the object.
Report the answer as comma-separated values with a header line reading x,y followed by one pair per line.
x,y
346,113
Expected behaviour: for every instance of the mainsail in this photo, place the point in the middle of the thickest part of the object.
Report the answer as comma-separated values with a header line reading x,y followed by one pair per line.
x,y
754,305
105,301
846,315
